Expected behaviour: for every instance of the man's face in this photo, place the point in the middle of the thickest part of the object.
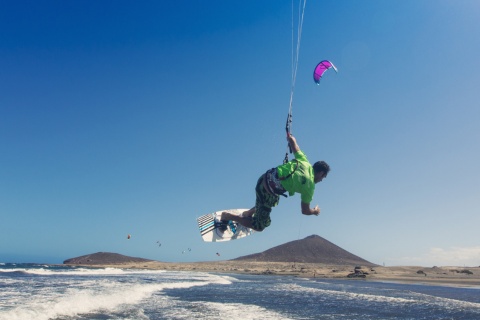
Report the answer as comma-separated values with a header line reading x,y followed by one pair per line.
x,y
319,176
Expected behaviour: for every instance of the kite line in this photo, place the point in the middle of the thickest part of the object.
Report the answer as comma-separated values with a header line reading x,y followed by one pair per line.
x,y
295,58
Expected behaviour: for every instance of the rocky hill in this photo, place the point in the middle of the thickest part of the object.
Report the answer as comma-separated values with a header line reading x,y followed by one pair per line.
x,y
103,258
312,249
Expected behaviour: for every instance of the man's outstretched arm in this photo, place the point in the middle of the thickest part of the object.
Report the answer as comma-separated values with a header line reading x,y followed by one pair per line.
x,y
306,210
292,142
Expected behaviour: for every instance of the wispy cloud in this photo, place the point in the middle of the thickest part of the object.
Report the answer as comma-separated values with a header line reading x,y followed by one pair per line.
x,y
452,256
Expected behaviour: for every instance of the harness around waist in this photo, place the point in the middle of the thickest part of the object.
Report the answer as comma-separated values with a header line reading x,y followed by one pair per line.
x,y
272,183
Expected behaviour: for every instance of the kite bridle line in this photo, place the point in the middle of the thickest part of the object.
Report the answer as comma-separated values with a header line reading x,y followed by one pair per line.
x,y
295,56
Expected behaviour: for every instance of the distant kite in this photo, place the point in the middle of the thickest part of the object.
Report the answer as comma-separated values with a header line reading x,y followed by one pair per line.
x,y
218,254
320,70
128,237
159,244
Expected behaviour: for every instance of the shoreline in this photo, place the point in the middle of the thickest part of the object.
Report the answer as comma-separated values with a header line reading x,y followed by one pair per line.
x,y
466,277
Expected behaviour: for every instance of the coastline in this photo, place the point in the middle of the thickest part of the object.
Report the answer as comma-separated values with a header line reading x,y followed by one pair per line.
x,y
444,276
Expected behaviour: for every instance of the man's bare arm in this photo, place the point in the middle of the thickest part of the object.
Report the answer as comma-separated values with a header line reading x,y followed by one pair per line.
x,y
306,210
292,142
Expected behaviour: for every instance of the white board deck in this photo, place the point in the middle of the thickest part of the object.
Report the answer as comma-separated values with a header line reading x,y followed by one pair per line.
x,y
210,233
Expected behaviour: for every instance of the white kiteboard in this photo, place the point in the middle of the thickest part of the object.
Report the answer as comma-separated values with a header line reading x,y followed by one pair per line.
x,y
208,226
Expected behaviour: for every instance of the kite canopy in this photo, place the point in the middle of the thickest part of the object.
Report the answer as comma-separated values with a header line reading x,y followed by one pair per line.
x,y
320,70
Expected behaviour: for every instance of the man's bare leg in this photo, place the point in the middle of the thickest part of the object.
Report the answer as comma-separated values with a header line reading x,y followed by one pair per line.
x,y
244,221
249,213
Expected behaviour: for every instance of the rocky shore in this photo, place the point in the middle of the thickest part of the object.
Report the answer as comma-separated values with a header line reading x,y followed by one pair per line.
x,y
314,257
451,276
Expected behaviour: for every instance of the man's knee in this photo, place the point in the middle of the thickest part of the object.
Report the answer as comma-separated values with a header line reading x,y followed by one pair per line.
x,y
261,218
258,229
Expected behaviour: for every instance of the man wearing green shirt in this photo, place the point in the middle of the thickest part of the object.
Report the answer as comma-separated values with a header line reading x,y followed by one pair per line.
x,y
296,176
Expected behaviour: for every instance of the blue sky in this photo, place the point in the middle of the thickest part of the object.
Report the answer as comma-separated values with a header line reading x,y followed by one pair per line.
x,y
119,117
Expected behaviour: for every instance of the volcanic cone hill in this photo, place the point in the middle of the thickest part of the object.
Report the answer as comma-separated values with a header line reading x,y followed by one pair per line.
x,y
103,258
312,249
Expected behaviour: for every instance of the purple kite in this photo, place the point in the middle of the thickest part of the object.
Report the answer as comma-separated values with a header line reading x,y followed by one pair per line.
x,y
320,70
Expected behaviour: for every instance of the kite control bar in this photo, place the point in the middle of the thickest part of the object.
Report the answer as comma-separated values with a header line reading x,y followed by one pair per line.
x,y
287,125
287,129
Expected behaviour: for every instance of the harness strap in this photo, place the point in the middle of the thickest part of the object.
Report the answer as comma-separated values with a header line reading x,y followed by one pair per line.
x,y
290,174
271,186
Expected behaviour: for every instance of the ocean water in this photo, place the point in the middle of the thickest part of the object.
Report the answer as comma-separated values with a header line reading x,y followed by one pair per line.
x,y
41,292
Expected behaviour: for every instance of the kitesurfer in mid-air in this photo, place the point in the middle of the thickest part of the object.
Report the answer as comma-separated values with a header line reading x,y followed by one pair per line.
x,y
296,176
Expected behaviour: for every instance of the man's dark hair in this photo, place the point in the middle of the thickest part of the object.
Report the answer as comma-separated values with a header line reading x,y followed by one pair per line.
x,y
321,166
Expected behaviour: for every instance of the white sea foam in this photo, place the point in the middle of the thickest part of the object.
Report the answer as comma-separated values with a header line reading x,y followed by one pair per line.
x,y
219,311
413,297
445,302
76,301
81,271
94,295
345,294
243,311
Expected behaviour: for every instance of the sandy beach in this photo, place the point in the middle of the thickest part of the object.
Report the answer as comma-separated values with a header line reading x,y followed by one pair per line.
x,y
451,276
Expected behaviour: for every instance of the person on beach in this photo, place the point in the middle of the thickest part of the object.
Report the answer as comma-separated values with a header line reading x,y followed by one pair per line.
x,y
296,176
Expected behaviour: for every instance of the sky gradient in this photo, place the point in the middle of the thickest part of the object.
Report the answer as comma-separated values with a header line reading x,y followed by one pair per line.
x,y
119,117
